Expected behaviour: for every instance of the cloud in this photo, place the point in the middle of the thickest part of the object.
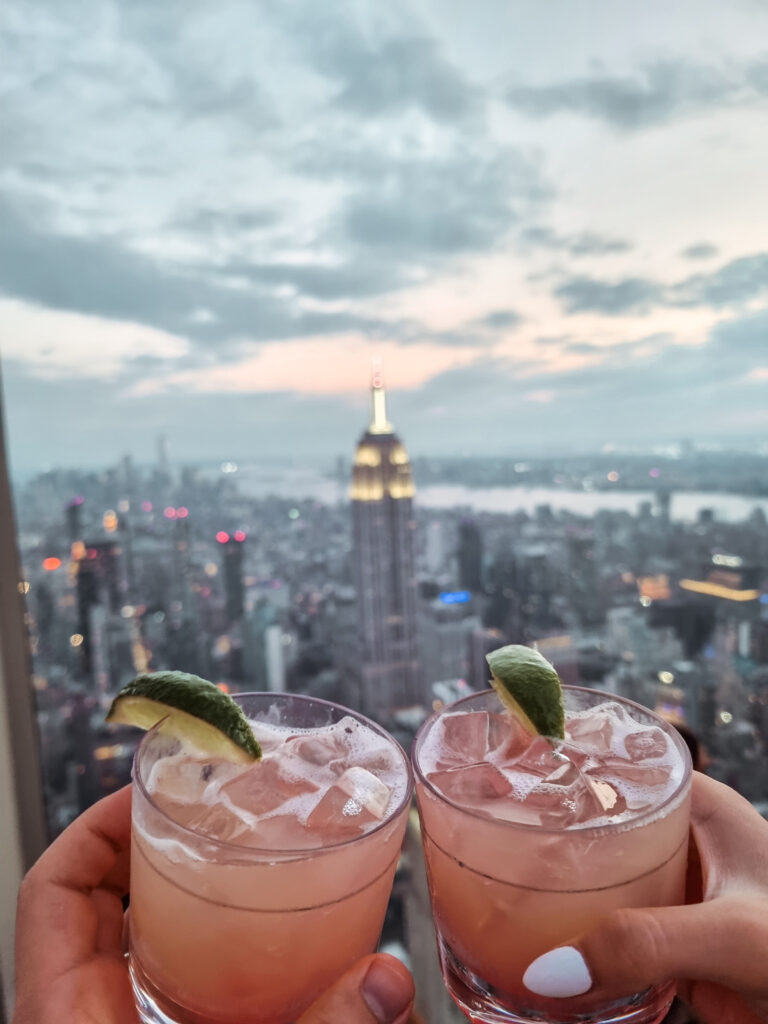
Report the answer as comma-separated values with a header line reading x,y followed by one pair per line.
x,y
588,294
463,202
700,251
585,243
500,319
655,94
59,345
736,283
382,73
403,73
212,221
104,278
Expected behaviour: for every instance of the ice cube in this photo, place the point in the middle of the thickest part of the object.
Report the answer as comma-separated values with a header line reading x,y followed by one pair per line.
x,y
506,737
319,749
539,758
472,784
608,796
265,786
464,739
379,760
222,822
186,780
270,737
575,753
564,798
353,803
638,774
283,832
648,743
593,733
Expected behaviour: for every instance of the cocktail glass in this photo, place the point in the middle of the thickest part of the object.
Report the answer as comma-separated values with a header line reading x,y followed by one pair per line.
x,y
513,874
251,928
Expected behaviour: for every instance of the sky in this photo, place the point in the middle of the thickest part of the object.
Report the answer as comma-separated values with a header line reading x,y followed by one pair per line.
x,y
549,221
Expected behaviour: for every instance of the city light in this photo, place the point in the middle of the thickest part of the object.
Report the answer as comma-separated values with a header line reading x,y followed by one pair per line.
x,y
222,537
76,639
613,476
717,590
51,564
127,611
229,467
239,536
146,506
109,520
667,678
731,561
169,512
294,513
182,513
23,586
726,717
455,596
77,551
655,473
109,753
224,687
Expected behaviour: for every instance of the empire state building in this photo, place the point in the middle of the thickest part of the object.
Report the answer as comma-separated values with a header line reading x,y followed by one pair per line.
x,y
388,666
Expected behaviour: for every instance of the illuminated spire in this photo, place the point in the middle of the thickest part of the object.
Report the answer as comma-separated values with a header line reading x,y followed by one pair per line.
x,y
379,423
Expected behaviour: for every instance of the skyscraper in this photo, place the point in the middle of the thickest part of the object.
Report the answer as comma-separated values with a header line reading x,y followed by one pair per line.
x,y
234,587
387,669
470,555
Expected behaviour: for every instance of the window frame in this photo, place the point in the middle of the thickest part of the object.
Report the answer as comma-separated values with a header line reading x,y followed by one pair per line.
x,y
23,831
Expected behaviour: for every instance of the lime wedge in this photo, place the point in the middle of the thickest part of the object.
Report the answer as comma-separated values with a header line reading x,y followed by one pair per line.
x,y
529,687
189,708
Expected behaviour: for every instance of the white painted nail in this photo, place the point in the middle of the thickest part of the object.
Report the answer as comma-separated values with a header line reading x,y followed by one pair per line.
x,y
560,973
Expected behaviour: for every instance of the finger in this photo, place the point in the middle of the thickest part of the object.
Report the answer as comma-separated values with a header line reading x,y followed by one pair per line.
x,y
716,1005
731,837
109,922
377,990
57,924
93,850
632,949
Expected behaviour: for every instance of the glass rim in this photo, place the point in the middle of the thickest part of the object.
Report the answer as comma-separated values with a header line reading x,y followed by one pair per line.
x,y
292,853
642,818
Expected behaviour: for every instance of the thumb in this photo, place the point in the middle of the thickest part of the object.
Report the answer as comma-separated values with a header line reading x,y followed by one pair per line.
x,y
377,990
632,949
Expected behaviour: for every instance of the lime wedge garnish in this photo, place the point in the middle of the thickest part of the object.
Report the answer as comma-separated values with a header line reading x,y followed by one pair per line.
x,y
529,688
189,708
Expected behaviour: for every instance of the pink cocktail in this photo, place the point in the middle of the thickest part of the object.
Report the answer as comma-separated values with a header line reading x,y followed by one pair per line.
x,y
529,843
254,888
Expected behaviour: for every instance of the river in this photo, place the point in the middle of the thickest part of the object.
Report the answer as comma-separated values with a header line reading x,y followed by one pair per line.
x,y
261,481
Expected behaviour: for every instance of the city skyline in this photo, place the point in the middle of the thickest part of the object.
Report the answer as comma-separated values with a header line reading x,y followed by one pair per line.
x,y
548,226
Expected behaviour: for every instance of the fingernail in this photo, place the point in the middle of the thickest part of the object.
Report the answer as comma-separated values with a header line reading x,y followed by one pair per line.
x,y
384,993
560,973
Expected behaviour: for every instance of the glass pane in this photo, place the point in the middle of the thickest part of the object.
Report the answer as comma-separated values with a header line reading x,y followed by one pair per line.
x,y
225,230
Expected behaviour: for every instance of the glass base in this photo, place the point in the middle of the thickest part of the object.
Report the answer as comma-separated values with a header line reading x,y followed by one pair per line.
x,y
483,1004
148,1002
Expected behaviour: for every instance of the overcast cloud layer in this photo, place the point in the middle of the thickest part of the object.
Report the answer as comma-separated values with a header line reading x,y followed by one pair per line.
x,y
549,221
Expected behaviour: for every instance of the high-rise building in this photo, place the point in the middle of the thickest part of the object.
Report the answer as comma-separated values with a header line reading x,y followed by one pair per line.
x,y
470,556
100,591
74,514
234,586
387,665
